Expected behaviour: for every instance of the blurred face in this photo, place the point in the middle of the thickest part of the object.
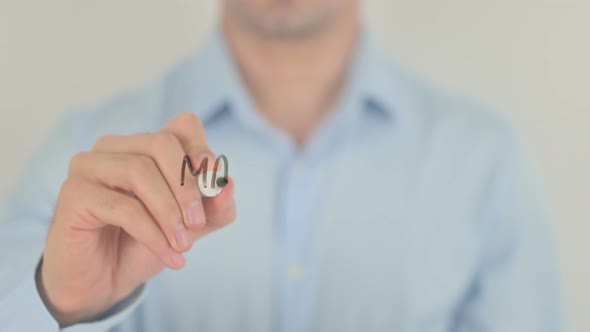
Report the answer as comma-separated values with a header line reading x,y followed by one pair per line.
x,y
286,18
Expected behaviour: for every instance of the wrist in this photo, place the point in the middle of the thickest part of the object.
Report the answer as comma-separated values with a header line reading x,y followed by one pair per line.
x,y
63,317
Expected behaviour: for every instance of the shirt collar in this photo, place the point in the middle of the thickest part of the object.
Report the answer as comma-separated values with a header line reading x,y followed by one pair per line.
x,y
209,83
370,78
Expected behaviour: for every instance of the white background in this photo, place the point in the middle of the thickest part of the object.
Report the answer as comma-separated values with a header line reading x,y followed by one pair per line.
x,y
528,58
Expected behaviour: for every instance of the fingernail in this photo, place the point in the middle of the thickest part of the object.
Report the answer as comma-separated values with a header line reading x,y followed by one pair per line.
x,y
176,259
196,214
182,238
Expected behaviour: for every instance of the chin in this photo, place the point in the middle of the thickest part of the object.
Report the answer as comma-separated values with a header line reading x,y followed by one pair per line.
x,y
286,18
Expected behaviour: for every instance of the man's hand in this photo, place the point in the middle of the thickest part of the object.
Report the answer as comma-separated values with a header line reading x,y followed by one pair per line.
x,y
122,217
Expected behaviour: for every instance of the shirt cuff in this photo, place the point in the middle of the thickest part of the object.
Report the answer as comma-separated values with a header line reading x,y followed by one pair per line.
x,y
24,310
112,316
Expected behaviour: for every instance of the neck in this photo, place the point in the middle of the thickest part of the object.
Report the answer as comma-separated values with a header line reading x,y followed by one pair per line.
x,y
295,82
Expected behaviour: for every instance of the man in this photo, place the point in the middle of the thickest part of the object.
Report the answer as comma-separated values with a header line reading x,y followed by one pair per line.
x,y
368,200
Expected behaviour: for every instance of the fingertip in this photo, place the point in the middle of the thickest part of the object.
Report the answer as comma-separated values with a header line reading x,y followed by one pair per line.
x,y
231,181
228,190
222,200
182,239
176,261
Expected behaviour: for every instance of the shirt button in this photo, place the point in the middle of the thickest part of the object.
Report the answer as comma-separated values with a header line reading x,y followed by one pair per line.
x,y
295,272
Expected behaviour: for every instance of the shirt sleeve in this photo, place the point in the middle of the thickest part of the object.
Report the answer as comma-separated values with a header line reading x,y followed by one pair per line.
x,y
518,285
24,221
23,310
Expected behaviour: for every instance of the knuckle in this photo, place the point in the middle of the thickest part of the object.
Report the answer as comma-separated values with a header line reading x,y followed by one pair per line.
x,y
141,165
68,199
133,209
189,123
76,162
163,141
203,151
140,169
72,184
103,141
189,119
138,211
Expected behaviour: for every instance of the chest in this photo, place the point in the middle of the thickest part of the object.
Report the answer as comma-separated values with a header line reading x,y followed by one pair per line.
x,y
391,242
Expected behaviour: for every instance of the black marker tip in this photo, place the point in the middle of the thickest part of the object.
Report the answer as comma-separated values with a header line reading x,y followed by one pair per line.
x,y
222,182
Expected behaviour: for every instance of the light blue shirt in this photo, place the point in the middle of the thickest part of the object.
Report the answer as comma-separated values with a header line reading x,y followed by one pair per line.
x,y
411,209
